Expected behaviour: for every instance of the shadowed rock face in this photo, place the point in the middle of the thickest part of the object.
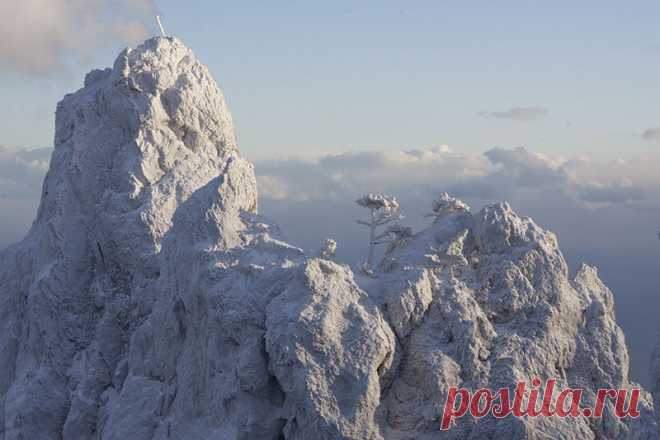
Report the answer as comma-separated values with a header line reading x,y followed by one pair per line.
x,y
150,301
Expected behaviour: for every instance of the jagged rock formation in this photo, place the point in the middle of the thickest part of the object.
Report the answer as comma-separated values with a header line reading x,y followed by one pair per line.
x,y
150,301
504,311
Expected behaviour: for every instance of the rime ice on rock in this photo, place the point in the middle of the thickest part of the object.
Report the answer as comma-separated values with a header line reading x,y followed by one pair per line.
x,y
104,305
329,249
444,205
149,301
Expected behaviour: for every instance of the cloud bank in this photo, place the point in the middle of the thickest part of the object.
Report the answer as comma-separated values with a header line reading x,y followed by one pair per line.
x,y
42,36
498,173
518,113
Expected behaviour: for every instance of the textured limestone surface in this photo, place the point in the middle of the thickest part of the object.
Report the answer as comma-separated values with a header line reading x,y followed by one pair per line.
x,y
150,301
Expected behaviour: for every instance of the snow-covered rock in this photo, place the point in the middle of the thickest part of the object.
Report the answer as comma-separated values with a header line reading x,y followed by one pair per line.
x,y
506,311
328,345
150,301
148,213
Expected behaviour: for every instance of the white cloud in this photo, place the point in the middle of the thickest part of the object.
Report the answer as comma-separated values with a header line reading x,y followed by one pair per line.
x,y
344,175
518,113
42,36
614,192
496,174
529,169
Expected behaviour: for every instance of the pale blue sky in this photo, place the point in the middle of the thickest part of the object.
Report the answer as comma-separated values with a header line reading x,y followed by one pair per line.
x,y
307,77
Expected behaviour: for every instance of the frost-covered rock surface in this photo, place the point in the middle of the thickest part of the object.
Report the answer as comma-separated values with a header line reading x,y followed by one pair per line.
x,y
150,301
485,300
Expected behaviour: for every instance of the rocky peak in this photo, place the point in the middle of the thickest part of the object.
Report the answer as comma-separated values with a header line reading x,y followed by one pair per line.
x,y
133,145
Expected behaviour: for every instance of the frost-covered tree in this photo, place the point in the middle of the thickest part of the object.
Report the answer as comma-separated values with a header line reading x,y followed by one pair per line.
x,y
445,204
383,209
